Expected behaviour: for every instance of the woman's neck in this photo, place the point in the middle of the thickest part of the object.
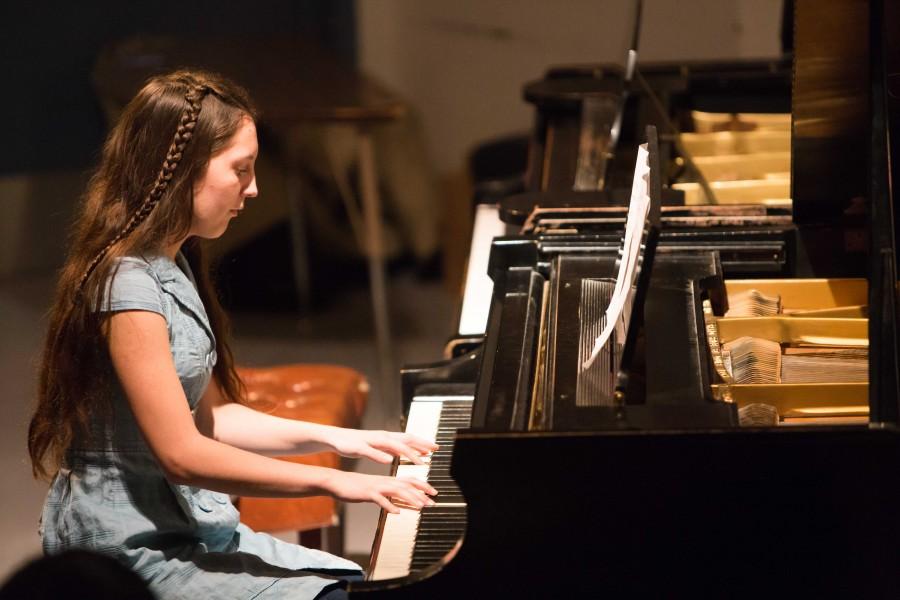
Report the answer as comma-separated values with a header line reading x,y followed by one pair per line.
x,y
171,250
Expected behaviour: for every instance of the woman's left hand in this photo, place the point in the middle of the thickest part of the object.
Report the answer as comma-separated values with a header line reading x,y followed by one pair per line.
x,y
380,446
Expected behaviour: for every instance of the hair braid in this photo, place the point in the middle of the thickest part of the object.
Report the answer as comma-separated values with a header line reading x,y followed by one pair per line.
x,y
184,132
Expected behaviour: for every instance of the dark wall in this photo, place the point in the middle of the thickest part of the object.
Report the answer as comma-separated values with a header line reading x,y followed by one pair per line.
x,y
47,50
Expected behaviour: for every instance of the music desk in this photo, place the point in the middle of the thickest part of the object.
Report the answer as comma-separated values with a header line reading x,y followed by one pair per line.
x,y
294,83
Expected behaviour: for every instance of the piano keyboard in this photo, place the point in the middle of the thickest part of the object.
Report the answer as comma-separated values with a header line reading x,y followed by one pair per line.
x,y
413,539
479,286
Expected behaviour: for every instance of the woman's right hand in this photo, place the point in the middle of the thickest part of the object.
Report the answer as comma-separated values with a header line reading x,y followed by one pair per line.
x,y
383,491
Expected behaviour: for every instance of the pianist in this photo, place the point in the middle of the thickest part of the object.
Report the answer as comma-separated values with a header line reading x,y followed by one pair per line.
x,y
138,419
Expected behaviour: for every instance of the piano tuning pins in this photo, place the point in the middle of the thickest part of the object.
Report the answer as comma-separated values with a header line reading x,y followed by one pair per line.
x,y
758,415
758,361
753,303
754,360
826,364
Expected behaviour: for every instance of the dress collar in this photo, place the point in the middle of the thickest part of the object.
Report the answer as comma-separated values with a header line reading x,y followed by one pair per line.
x,y
178,280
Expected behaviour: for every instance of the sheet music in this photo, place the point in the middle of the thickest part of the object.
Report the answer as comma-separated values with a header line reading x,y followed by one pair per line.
x,y
619,310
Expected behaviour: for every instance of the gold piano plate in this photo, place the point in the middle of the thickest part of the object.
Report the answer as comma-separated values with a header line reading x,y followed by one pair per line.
x,y
857,311
802,399
738,167
741,167
707,122
838,415
790,330
807,294
735,142
816,312
768,192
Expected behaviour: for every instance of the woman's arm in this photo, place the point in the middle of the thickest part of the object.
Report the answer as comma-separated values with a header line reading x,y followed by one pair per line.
x,y
139,348
243,427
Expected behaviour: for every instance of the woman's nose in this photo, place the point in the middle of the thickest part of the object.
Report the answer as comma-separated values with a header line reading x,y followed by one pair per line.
x,y
251,191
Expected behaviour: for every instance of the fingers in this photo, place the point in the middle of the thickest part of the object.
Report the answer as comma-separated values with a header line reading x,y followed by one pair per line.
x,y
411,440
420,444
403,451
384,503
377,455
406,492
424,486
404,445
411,498
390,493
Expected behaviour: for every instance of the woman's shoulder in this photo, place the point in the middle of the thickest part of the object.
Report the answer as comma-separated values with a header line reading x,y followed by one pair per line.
x,y
135,284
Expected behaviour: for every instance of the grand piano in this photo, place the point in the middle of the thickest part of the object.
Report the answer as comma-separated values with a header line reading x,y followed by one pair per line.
x,y
550,488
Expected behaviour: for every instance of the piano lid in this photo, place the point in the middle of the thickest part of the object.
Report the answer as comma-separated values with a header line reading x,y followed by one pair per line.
x,y
830,129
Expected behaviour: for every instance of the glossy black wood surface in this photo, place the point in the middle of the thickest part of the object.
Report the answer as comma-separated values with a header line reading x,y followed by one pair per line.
x,y
671,514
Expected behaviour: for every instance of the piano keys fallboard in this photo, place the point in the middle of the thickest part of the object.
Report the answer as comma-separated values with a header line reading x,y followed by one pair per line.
x,y
412,540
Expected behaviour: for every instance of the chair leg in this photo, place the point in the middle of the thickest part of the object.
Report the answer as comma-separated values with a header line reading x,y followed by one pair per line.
x,y
329,539
312,538
334,538
299,246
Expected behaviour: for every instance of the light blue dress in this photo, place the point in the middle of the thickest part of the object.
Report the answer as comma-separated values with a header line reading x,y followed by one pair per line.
x,y
112,497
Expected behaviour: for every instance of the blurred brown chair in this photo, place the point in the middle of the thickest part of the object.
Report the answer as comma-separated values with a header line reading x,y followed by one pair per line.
x,y
326,394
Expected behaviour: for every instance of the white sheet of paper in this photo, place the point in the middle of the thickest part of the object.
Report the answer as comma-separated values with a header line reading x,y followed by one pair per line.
x,y
619,309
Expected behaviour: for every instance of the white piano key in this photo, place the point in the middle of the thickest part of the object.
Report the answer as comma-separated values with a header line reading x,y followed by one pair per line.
x,y
423,419
398,536
396,548
413,471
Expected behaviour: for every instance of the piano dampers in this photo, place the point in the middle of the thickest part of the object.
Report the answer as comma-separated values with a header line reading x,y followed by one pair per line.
x,y
595,385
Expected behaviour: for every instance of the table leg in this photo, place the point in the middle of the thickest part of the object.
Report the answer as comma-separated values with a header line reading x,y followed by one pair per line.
x,y
299,246
371,203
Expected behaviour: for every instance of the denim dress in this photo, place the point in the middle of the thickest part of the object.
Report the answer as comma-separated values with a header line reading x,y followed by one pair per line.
x,y
111,495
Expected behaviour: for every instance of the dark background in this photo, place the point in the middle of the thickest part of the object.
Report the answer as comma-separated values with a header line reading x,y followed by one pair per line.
x,y
48,49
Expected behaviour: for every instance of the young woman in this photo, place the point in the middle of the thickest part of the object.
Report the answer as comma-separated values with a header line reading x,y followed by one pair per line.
x,y
138,415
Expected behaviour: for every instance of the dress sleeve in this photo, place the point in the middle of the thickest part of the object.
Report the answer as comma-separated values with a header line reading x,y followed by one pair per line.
x,y
133,287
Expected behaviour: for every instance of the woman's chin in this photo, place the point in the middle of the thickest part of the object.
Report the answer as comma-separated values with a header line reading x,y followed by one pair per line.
x,y
212,233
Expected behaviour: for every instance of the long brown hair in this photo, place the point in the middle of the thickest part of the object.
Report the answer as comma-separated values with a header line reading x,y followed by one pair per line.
x,y
139,200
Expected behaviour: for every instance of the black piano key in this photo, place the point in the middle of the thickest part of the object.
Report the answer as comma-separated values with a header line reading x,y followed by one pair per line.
x,y
440,529
439,538
438,523
441,526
